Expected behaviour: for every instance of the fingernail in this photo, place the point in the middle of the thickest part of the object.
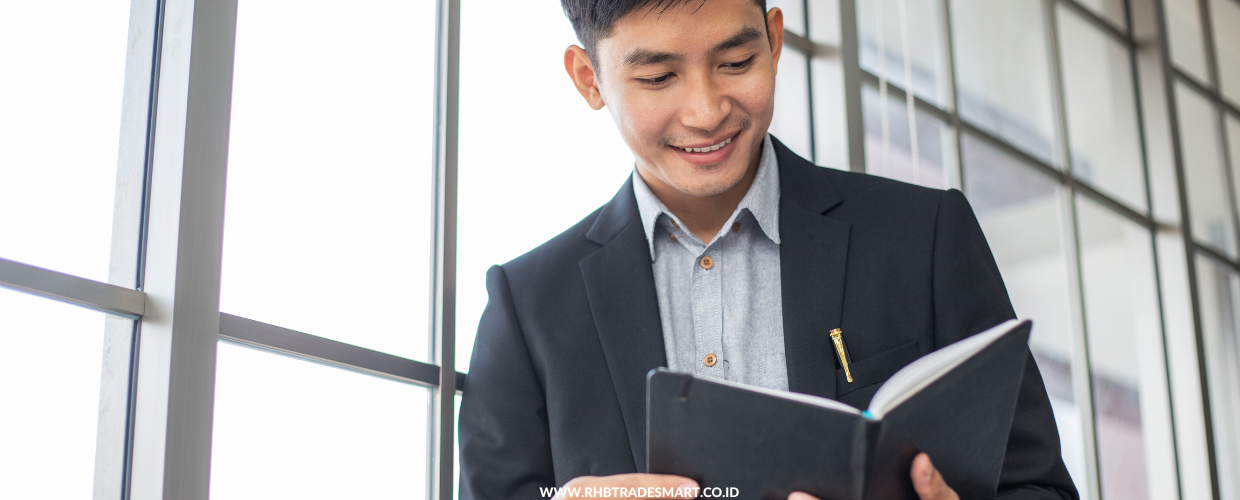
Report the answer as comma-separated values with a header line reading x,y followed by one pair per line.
x,y
687,488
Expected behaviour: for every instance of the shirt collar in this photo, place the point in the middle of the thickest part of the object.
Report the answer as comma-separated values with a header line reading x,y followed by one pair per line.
x,y
762,200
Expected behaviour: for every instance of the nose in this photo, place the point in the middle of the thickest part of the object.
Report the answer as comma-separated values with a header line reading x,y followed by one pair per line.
x,y
706,106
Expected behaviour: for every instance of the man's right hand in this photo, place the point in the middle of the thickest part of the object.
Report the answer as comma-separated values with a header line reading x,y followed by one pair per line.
x,y
629,486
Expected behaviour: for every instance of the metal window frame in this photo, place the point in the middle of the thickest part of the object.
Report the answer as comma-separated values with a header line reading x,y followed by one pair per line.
x,y
1222,107
1073,187
157,395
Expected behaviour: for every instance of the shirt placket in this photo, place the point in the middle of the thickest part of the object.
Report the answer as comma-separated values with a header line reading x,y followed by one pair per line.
x,y
708,311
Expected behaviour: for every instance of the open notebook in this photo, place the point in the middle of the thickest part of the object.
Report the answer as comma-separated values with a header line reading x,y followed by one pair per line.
x,y
955,404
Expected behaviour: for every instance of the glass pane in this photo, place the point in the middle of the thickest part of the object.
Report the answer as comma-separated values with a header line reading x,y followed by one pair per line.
x,y
1208,207
1110,10
50,386
794,14
933,144
1127,367
1225,16
1102,110
330,171
1022,214
1233,151
60,115
925,43
288,428
1002,72
515,192
1188,50
1219,290
790,124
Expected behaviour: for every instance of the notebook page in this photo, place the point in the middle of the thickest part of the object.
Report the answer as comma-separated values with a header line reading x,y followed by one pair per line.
x,y
794,396
931,367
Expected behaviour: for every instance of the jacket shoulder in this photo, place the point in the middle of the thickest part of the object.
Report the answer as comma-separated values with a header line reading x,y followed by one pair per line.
x,y
880,195
555,256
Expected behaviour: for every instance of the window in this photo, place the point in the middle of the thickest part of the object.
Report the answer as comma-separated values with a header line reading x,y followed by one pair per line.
x,y
286,428
1101,110
1210,210
1003,72
1126,361
330,171
288,212
61,107
50,383
517,191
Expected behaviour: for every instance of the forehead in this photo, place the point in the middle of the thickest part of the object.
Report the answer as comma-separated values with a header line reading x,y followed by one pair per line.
x,y
689,28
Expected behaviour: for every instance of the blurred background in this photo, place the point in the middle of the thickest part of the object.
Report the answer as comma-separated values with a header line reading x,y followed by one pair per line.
x,y
243,242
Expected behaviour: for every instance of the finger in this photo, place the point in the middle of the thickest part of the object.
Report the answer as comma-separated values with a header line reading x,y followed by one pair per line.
x,y
928,481
681,487
798,495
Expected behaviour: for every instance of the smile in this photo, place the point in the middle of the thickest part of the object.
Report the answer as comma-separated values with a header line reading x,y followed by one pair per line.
x,y
707,149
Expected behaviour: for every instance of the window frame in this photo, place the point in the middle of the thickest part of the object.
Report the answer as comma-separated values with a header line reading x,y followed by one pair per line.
x,y
154,437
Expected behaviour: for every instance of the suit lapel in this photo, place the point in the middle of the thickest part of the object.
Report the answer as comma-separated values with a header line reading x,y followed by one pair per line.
x,y
619,283
813,254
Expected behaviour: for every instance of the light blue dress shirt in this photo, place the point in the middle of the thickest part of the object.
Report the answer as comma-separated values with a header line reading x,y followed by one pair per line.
x,y
729,308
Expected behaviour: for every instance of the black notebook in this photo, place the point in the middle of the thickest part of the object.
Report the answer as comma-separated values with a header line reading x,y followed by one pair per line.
x,y
955,404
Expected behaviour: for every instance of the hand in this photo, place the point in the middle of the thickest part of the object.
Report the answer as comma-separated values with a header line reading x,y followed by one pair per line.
x,y
629,486
926,480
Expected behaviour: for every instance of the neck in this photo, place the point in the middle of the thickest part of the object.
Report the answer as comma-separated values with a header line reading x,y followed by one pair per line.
x,y
703,216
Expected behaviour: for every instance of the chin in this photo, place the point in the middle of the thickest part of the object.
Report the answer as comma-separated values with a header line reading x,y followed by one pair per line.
x,y
714,185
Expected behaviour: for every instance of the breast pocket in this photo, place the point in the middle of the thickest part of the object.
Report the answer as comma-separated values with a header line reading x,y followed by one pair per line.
x,y
868,374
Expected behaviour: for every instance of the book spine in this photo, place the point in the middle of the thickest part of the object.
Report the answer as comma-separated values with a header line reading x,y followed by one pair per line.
x,y
862,444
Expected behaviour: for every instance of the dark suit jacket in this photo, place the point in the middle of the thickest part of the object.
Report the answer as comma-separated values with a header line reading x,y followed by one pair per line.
x,y
556,388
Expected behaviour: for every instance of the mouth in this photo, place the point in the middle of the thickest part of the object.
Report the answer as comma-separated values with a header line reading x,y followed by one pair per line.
x,y
708,154
707,149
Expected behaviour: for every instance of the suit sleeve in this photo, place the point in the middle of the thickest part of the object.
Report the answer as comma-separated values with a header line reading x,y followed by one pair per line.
x,y
505,445
969,297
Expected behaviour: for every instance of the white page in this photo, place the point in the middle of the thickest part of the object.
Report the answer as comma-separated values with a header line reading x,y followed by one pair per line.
x,y
918,374
793,396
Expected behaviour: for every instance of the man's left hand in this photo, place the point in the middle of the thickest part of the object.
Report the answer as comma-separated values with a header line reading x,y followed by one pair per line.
x,y
926,480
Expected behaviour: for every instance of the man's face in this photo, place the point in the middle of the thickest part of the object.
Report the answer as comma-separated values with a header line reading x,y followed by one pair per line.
x,y
692,90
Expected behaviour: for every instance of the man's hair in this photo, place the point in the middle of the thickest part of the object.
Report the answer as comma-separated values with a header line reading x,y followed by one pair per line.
x,y
593,20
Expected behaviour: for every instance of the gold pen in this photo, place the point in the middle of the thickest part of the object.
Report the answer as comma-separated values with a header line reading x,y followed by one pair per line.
x,y
837,336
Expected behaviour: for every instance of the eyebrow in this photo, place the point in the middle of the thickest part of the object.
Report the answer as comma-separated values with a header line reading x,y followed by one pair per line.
x,y
742,37
641,57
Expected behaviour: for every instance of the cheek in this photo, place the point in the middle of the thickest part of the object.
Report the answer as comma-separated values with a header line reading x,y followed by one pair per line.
x,y
757,98
642,120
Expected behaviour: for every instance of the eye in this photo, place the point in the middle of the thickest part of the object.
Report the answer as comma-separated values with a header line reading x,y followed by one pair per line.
x,y
656,81
739,65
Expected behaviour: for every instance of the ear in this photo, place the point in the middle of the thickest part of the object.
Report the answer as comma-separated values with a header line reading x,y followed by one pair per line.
x,y
581,70
775,34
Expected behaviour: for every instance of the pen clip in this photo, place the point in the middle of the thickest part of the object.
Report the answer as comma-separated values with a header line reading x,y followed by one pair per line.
x,y
837,338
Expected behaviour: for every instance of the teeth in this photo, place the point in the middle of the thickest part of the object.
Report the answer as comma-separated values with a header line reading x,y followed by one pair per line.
x,y
709,148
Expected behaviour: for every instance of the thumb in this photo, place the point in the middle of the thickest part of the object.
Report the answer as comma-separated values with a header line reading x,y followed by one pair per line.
x,y
928,481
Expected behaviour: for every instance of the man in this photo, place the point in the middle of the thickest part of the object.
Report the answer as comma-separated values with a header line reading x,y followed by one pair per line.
x,y
725,255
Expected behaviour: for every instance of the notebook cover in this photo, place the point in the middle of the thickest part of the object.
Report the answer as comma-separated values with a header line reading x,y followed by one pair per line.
x,y
961,420
766,447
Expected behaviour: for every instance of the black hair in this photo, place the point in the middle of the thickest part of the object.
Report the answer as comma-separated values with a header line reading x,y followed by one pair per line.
x,y
593,20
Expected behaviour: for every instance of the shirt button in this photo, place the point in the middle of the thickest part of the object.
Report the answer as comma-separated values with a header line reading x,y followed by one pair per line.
x,y
674,224
706,262
736,226
710,360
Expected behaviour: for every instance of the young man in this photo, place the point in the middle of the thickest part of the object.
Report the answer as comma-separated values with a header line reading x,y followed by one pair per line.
x,y
725,255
